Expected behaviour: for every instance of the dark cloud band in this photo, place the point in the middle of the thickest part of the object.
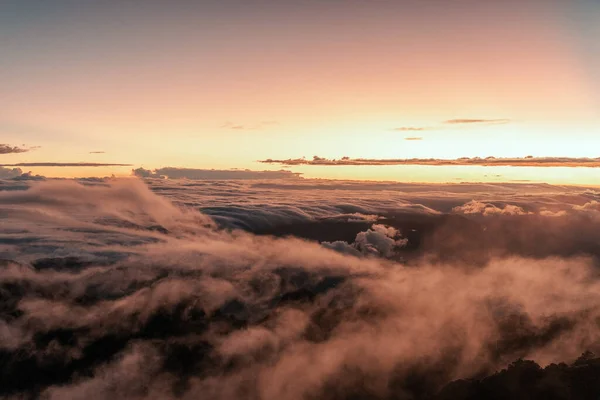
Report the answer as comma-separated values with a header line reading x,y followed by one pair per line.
x,y
477,161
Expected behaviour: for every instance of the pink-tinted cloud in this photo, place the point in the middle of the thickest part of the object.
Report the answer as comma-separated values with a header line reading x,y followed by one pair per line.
x,y
468,121
102,304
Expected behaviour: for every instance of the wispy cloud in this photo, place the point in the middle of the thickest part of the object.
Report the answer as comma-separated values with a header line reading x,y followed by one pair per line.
x,y
528,161
97,152
457,121
8,173
7,149
413,138
413,128
249,127
467,121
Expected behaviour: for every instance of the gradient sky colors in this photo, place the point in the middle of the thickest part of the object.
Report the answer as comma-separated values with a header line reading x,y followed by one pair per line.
x,y
222,84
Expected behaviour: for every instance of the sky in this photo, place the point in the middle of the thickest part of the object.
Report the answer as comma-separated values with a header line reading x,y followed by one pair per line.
x,y
225,84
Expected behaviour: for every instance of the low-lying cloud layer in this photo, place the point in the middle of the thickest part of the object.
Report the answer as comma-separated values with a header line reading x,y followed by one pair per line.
x,y
468,121
528,161
110,290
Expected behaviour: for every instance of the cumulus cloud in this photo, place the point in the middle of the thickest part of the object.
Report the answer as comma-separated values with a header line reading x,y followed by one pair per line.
x,y
593,205
7,173
412,129
213,174
380,240
17,174
115,291
29,176
477,207
528,161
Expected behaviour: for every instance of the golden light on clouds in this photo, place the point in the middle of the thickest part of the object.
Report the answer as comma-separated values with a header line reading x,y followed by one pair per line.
x,y
162,87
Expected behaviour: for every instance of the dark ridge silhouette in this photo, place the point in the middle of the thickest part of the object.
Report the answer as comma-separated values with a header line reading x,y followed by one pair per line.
x,y
525,379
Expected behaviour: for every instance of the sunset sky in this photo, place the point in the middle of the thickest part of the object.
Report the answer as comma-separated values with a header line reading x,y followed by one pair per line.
x,y
225,83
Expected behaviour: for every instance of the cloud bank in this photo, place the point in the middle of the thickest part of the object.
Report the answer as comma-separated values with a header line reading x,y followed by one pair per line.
x,y
110,290
467,121
528,161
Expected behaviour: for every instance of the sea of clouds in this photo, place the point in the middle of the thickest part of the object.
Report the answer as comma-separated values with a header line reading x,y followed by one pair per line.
x,y
297,289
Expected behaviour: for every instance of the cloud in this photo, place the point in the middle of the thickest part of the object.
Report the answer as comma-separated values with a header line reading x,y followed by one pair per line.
x,y
528,161
6,149
55,164
525,376
213,174
17,174
97,152
486,209
468,121
29,176
255,126
593,206
380,240
413,138
412,129
7,173
113,290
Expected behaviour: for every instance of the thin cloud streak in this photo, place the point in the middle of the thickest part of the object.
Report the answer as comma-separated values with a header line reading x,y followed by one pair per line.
x,y
528,161
212,174
456,121
465,121
413,129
